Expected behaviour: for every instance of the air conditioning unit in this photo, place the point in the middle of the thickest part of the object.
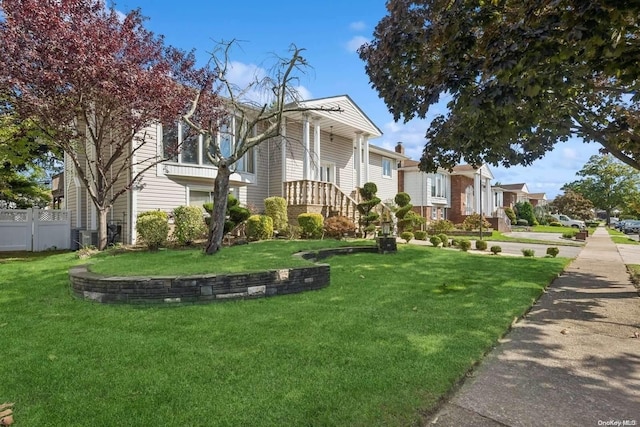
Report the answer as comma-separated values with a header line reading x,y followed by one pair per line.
x,y
88,238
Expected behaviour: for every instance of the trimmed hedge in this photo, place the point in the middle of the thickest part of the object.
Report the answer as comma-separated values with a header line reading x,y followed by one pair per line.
x,y
311,225
259,227
153,228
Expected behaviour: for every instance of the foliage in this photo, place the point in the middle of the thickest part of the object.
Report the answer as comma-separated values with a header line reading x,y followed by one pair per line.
x,y
474,221
153,229
435,241
607,183
508,211
339,226
407,236
310,225
440,226
541,214
464,245
235,214
444,239
524,210
522,222
521,76
553,252
276,208
407,219
189,224
573,205
495,249
481,245
259,227
420,235
555,224
93,81
368,216
570,234
528,252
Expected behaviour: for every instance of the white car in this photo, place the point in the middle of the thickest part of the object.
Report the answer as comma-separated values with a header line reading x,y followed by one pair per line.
x,y
568,222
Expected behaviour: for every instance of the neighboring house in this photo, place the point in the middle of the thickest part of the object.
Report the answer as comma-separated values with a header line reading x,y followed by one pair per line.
x,y
318,164
516,193
451,195
538,199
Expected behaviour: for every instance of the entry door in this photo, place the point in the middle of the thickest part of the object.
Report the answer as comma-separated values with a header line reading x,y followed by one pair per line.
x,y
327,172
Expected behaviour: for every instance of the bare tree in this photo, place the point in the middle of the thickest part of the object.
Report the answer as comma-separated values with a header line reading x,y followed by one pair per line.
x,y
254,123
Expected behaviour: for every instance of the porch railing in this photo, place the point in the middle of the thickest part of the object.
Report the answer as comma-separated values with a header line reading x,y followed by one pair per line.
x,y
307,192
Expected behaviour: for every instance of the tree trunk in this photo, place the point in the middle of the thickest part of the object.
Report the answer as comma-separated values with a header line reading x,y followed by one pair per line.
x,y
219,214
102,227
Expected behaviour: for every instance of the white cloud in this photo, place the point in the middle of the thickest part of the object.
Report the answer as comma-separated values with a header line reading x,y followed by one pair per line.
x,y
357,26
357,41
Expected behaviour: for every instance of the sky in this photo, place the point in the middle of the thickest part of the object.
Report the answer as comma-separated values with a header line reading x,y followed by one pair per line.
x,y
330,32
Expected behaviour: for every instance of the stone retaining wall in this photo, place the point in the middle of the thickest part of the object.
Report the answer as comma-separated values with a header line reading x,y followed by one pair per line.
x,y
212,287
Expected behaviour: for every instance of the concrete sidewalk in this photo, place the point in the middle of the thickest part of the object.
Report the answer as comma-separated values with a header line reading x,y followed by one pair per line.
x,y
573,360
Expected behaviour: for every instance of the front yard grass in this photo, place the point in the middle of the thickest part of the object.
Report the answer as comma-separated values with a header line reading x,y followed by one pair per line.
x,y
620,237
381,345
497,236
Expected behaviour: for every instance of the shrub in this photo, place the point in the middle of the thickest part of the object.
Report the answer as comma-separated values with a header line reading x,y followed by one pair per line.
x,y
495,249
366,208
555,224
473,222
189,224
510,214
420,235
407,219
153,229
259,227
455,241
407,236
553,252
528,252
310,225
522,222
276,208
444,239
440,226
235,213
525,211
339,226
481,245
435,241
570,234
464,245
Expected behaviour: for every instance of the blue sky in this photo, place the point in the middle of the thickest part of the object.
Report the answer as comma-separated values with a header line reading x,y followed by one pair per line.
x,y
330,31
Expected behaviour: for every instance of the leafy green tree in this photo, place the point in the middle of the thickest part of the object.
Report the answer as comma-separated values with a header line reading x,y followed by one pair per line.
x,y
573,205
607,183
520,76
525,211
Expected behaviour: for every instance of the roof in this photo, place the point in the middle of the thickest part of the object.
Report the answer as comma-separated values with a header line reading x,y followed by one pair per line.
x,y
515,187
349,120
538,196
388,153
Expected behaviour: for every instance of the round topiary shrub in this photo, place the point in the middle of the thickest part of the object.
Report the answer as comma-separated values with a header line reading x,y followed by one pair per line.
x,y
189,224
444,239
339,227
420,235
435,241
495,249
553,252
407,236
464,245
259,227
481,245
152,229
310,225
528,252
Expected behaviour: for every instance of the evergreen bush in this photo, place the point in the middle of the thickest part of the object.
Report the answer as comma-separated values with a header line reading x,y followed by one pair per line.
x,y
407,236
553,252
496,249
276,208
310,225
420,235
189,224
259,227
152,228
481,245
435,241
444,239
464,245
528,252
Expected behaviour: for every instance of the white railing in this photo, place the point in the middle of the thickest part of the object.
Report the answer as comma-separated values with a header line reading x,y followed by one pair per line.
x,y
307,192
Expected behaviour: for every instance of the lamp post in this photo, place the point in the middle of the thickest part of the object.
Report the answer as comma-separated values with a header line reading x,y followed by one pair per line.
x,y
386,228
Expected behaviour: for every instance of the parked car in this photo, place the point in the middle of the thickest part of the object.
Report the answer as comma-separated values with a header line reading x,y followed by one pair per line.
x,y
620,224
568,222
631,227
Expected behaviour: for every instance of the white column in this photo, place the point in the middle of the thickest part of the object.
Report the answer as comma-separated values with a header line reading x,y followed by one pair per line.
x,y
316,148
305,143
477,188
358,159
365,138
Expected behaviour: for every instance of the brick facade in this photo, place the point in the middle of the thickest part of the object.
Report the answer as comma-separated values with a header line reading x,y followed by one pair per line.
x,y
459,185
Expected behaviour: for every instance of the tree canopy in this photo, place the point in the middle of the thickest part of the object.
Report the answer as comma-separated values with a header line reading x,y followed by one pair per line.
x,y
607,183
573,205
93,80
522,76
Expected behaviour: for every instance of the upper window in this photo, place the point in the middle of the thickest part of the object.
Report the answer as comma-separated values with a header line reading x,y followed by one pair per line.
x,y
386,167
170,142
438,187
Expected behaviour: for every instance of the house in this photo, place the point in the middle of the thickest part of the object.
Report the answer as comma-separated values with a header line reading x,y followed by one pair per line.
x,y
517,193
451,195
318,165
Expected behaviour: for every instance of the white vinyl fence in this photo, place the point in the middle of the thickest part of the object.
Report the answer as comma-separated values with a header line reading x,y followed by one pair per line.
x,y
34,229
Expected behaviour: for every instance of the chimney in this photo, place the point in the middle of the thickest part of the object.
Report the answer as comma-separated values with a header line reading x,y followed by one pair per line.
x,y
399,148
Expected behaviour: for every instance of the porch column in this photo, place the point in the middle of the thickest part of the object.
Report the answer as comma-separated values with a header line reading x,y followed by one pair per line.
x,y
283,156
358,159
477,189
316,148
365,138
306,166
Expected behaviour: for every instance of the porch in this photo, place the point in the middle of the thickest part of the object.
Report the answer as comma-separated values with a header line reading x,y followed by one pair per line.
x,y
325,198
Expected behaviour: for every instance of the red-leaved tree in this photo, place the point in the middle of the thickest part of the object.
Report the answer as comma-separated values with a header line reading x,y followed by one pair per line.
x,y
94,81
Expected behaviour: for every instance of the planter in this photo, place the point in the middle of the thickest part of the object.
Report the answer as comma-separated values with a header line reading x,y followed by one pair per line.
x,y
386,244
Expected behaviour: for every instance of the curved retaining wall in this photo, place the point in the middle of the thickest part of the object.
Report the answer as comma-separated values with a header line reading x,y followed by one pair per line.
x,y
206,287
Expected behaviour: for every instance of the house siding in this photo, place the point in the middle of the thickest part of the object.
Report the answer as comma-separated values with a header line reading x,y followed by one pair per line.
x,y
387,186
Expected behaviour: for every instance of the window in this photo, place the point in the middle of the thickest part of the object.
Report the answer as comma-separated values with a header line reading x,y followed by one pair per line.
x,y
170,142
469,200
438,185
327,172
386,167
190,145
434,213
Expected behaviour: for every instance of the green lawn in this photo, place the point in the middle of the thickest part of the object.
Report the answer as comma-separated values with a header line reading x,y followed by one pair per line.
x,y
620,237
497,236
378,347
